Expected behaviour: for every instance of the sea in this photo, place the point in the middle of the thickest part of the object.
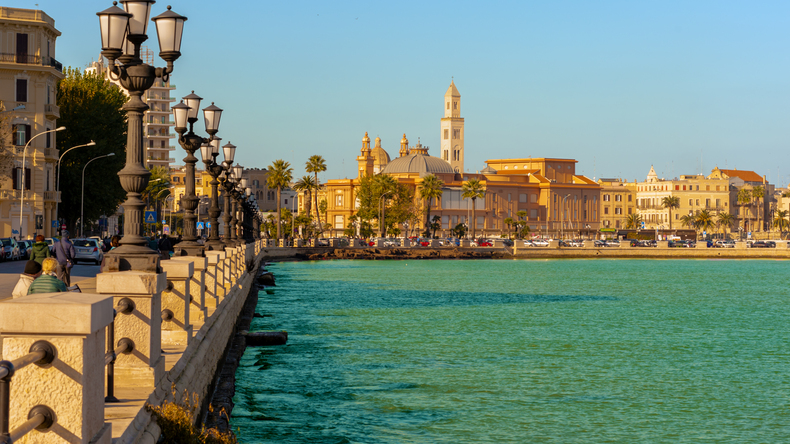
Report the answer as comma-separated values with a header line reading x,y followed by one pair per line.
x,y
520,351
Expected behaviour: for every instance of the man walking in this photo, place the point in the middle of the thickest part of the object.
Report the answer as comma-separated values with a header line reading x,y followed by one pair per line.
x,y
64,253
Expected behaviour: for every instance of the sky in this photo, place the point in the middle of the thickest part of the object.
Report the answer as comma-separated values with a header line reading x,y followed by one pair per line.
x,y
617,85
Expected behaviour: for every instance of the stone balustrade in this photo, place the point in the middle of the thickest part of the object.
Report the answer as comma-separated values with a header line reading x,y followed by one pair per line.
x,y
199,299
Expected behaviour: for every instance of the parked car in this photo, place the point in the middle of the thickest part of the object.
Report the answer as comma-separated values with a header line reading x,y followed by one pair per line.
x,y
681,244
87,250
763,244
540,243
613,243
24,247
724,244
11,250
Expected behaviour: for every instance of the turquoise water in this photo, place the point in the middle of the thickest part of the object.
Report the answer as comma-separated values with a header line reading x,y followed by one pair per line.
x,y
562,351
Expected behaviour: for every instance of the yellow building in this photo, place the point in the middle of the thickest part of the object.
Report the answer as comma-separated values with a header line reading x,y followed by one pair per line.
x,y
29,74
618,201
716,193
556,200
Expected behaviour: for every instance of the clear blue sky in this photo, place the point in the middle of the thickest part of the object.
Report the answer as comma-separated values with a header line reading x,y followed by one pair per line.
x,y
617,85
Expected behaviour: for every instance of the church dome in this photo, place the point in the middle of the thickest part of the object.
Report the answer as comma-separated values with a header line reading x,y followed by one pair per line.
x,y
380,156
418,163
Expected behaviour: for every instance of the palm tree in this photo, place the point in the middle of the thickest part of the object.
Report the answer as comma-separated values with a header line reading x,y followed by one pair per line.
x,y
780,221
430,188
744,198
508,221
688,221
473,189
725,221
670,202
306,185
280,175
704,221
758,193
633,221
316,164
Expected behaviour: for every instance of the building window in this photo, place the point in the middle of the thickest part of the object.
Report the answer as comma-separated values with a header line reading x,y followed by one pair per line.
x,y
533,213
691,202
718,203
630,210
605,210
606,198
448,105
697,202
455,105
522,198
339,222
339,201
618,197
629,198
533,197
618,211
17,176
21,90
456,134
21,134
446,134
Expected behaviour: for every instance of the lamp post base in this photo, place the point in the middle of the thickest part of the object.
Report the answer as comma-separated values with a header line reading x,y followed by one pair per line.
x,y
145,262
187,248
215,245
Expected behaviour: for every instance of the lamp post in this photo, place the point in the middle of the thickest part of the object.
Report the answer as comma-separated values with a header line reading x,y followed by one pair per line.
x,y
236,221
57,184
82,198
227,184
122,34
183,113
209,152
22,185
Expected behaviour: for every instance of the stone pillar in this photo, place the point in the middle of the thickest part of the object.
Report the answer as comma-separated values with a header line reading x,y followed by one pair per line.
x,y
740,245
72,385
297,243
145,366
229,269
176,300
701,244
662,244
466,243
283,243
554,243
215,275
623,243
434,243
197,287
781,245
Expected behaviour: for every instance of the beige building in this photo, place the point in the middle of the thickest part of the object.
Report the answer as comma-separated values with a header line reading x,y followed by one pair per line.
x,y
29,73
618,202
716,193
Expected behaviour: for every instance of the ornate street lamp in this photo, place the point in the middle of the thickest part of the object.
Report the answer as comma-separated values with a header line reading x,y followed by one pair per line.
x,y
127,30
228,183
209,152
183,113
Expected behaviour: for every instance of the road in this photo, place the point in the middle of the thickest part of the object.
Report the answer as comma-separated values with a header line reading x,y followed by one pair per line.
x,y
10,271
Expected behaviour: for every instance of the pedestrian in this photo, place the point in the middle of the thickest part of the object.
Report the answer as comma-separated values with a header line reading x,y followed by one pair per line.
x,y
40,250
64,252
32,271
48,281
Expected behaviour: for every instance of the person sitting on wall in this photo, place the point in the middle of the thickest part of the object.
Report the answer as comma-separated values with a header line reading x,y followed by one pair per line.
x,y
32,271
48,282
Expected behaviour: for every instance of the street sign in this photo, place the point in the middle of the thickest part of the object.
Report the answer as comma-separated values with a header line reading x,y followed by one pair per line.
x,y
200,225
150,217
164,221
208,224
63,227
54,224
643,225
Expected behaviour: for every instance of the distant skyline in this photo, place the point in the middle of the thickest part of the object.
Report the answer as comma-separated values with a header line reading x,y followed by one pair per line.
x,y
617,85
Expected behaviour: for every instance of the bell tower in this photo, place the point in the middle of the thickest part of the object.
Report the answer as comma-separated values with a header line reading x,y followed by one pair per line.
x,y
452,136
365,159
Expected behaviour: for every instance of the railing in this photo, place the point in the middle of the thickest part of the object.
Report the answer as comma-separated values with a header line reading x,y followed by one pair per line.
x,y
52,195
125,346
10,194
30,59
40,417
52,110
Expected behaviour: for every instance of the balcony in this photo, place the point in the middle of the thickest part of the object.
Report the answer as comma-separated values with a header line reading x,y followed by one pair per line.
x,y
52,111
10,195
52,196
28,59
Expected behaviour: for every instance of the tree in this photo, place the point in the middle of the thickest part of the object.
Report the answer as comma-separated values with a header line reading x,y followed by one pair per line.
x,y
280,175
316,164
688,221
90,109
436,224
670,203
459,230
7,153
473,189
703,221
780,221
633,222
430,188
509,222
306,185
725,221
744,198
758,193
